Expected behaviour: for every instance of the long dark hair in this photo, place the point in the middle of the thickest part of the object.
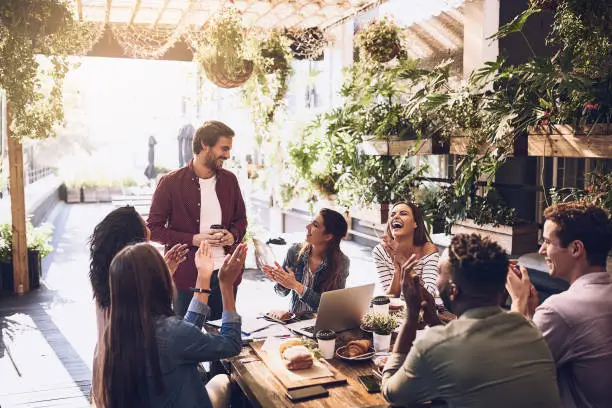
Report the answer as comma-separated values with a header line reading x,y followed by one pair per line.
x,y
141,290
421,236
119,228
335,224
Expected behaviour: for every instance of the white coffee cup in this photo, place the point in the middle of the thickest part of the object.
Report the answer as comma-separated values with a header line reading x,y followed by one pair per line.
x,y
380,304
327,343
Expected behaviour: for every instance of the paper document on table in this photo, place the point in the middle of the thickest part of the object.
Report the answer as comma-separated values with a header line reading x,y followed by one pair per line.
x,y
276,364
250,325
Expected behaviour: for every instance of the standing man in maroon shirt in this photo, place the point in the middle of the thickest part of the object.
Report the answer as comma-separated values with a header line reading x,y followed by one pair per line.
x,y
188,201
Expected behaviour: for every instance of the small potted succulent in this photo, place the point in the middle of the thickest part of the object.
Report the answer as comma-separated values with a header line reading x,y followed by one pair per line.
x,y
380,41
382,327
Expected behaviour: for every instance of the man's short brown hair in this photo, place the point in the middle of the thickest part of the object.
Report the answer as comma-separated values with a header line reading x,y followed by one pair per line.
x,y
586,223
209,134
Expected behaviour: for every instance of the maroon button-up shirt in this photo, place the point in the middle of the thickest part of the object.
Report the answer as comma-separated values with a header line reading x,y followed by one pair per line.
x,y
174,216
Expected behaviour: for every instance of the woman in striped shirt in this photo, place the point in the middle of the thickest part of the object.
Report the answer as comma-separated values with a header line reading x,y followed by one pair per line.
x,y
406,235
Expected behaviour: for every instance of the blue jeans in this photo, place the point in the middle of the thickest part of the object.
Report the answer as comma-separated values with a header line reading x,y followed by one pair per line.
x,y
215,302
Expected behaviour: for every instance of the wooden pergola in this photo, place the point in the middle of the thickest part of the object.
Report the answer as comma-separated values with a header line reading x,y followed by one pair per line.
x,y
169,15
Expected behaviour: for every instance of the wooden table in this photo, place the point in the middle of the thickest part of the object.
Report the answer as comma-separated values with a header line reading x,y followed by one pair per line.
x,y
264,390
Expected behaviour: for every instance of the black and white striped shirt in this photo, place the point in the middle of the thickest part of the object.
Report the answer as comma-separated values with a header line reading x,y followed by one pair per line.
x,y
426,267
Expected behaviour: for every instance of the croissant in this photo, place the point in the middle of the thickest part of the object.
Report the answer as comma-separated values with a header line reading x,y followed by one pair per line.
x,y
357,347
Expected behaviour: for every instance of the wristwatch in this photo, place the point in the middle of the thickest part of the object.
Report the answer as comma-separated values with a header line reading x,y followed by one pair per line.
x,y
200,290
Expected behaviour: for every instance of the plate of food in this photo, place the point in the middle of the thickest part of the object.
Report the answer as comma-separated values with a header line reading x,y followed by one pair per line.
x,y
356,350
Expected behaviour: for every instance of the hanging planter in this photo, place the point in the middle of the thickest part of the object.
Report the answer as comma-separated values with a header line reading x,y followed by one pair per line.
x,y
380,41
216,72
222,49
307,43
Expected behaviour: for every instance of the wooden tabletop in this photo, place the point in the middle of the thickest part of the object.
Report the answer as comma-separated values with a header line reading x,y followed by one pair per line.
x,y
263,389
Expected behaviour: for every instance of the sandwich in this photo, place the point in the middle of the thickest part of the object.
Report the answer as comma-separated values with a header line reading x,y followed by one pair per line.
x,y
295,355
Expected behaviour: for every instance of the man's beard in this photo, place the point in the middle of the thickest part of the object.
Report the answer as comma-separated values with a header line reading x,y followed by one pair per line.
x,y
445,296
212,162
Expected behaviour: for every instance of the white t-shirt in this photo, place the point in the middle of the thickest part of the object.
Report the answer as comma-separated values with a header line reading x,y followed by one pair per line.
x,y
210,213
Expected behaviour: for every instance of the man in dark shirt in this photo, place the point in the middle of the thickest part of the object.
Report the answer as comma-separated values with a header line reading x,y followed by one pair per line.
x,y
189,201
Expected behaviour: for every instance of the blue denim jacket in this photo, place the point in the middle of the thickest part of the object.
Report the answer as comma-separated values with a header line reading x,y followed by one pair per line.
x,y
311,295
182,345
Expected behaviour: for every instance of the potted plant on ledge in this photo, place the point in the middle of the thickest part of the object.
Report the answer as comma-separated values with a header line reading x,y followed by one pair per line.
x,y
38,242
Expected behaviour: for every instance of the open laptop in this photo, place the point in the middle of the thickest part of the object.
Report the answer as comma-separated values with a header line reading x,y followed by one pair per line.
x,y
339,310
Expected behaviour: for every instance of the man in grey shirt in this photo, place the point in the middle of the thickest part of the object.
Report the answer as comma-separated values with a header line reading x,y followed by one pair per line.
x,y
485,358
577,324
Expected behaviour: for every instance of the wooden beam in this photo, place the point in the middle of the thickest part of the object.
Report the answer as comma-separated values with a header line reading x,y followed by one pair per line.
x,y
161,12
79,5
21,282
109,4
134,12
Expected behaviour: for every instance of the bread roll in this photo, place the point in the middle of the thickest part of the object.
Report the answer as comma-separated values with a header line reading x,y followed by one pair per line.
x,y
289,343
297,358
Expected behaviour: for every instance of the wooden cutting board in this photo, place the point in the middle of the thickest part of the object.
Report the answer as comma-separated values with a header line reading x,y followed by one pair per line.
x,y
290,381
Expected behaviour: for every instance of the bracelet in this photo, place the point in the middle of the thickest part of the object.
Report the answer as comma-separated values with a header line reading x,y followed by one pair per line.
x,y
200,290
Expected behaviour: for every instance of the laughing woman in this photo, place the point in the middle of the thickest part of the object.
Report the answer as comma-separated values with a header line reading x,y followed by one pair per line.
x,y
406,236
316,266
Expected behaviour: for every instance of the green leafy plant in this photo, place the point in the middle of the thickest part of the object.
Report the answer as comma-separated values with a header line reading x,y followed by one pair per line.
x,y
38,239
265,92
223,50
313,347
383,324
34,91
380,41
598,191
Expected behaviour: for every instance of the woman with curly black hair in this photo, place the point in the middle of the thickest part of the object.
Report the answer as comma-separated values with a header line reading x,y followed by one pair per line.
x,y
121,227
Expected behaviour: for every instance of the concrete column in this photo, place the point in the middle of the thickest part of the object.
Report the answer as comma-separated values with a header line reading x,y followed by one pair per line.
x,y
338,55
481,20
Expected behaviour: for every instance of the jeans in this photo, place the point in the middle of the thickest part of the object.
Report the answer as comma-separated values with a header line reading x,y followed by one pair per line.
x,y
215,302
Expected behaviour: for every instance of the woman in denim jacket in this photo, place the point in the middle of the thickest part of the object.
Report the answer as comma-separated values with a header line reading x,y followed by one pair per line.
x,y
316,266
149,356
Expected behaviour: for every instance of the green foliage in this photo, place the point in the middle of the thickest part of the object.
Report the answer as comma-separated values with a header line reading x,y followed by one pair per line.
x,y
380,41
31,27
442,207
265,91
38,239
382,324
597,192
583,31
223,43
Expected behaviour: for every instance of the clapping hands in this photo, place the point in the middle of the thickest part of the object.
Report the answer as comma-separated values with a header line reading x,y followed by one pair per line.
x,y
284,277
416,296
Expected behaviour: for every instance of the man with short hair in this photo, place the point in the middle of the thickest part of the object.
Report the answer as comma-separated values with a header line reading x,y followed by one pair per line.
x,y
188,202
485,358
577,324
